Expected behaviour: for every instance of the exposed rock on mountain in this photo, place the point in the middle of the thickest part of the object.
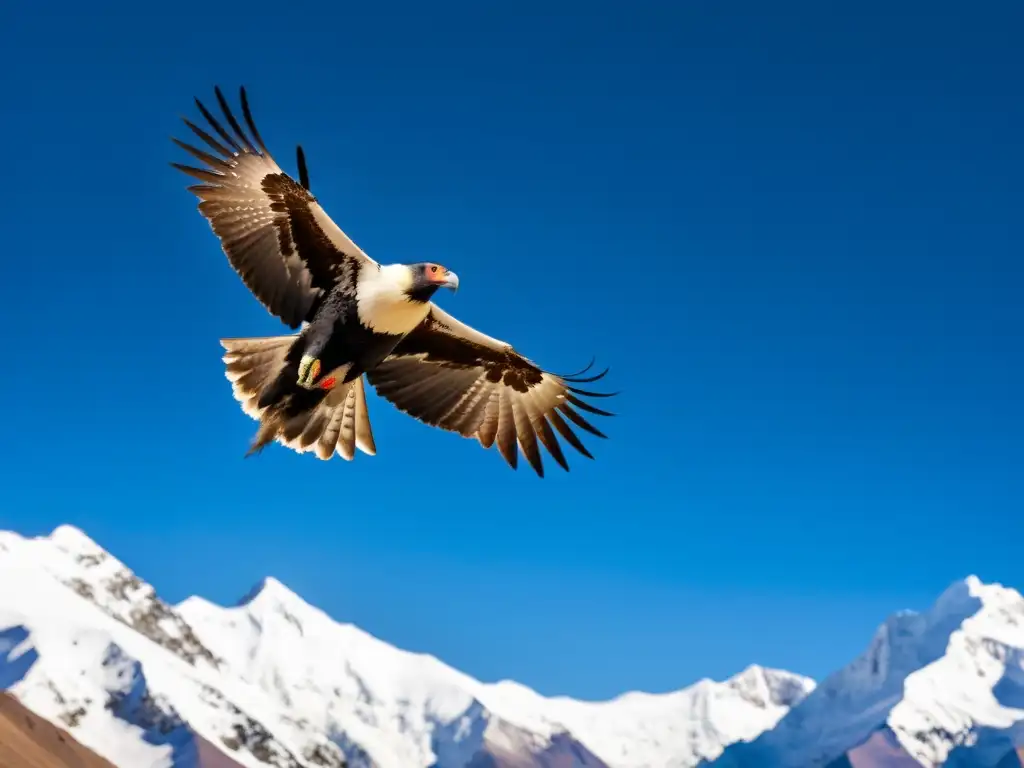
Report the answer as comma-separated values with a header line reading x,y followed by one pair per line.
x,y
274,681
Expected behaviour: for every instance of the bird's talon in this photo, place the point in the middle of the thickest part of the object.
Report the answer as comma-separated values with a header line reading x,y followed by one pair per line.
x,y
309,370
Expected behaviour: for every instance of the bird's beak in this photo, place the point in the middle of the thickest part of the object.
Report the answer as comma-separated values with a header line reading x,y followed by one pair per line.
x,y
451,280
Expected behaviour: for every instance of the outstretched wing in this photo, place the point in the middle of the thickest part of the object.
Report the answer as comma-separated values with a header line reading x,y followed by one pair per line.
x,y
283,245
451,376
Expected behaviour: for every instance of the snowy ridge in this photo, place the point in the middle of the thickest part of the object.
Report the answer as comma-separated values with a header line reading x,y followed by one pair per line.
x,y
85,662
672,729
69,556
411,709
943,687
274,681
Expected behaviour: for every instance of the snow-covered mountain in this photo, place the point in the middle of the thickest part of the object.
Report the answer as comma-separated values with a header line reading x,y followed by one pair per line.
x,y
273,681
944,687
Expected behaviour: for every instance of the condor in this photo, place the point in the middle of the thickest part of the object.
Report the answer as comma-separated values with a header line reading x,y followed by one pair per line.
x,y
355,318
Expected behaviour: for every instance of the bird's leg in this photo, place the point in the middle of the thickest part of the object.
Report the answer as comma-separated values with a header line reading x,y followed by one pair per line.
x,y
310,366
309,370
317,336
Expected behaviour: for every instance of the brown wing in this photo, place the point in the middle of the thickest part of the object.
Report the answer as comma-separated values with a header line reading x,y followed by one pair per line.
x,y
283,245
451,376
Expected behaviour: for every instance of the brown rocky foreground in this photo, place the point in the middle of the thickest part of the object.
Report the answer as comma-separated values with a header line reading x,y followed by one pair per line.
x,y
28,741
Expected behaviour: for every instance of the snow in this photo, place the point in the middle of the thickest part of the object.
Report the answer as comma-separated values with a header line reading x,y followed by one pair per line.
x,y
82,661
274,680
644,730
931,686
277,641
40,622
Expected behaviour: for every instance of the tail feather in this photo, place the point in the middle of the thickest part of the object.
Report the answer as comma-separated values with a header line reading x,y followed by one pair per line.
x,y
364,433
340,423
337,423
252,365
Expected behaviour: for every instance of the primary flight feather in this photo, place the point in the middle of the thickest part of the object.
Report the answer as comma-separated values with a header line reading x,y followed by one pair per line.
x,y
357,317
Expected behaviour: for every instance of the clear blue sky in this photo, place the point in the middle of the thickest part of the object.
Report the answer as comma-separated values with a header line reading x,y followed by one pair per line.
x,y
793,231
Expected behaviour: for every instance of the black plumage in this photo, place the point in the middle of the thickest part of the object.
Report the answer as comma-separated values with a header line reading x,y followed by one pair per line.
x,y
358,317
300,159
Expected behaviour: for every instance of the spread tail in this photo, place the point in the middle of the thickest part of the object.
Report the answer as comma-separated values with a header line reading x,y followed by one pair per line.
x,y
324,422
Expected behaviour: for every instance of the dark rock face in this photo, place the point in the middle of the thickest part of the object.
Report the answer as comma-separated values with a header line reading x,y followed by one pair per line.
x,y
125,597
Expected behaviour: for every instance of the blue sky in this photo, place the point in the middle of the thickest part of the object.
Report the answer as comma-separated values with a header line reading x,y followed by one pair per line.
x,y
793,231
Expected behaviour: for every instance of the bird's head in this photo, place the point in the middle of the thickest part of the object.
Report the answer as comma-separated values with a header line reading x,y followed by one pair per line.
x,y
425,278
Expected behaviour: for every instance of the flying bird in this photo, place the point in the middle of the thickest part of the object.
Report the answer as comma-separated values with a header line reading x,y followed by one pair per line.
x,y
355,317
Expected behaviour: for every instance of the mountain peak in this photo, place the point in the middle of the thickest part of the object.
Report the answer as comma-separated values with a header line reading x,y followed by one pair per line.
x,y
275,680
971,585
973,582
970,596
929,683
752,673
269,589
74,540
766,687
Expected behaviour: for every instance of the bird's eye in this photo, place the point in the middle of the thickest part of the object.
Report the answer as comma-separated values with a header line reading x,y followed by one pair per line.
x,y
433,269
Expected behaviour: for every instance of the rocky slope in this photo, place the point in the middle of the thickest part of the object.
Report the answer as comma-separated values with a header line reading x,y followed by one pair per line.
x,y
29,741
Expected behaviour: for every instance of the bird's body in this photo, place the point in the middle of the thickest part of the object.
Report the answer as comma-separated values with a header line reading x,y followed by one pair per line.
x,y
360,329
358,318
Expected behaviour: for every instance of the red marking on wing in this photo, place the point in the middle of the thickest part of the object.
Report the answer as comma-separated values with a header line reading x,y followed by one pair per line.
x,y
329,382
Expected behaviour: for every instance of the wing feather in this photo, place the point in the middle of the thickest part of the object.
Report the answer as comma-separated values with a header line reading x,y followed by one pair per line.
x,y
578,420
566,432
469,412
507,430
525,435
488,429
449,375
283,245
544,433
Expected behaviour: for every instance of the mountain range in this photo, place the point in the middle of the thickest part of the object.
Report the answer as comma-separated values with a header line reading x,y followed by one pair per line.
x,y
89,648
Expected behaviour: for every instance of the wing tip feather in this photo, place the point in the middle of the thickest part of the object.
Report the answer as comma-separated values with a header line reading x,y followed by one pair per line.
x,y
521,421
